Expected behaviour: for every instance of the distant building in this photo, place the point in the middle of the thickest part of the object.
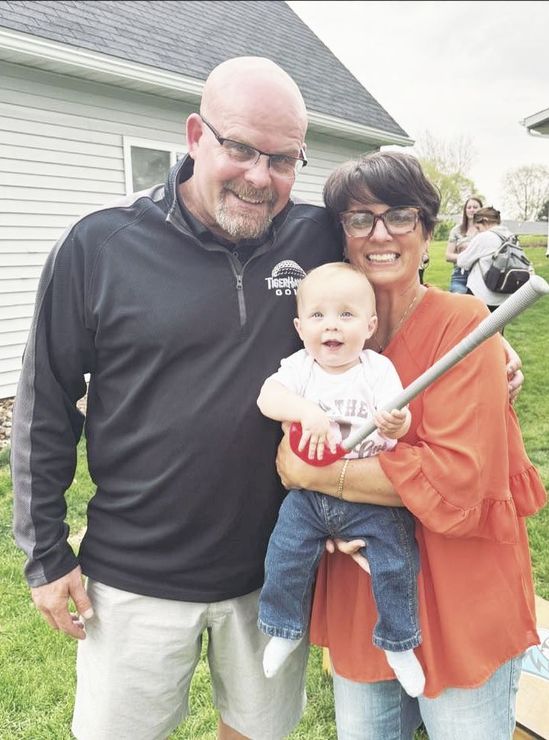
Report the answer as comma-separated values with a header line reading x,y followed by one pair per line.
x,y
93,99
538,125
531,228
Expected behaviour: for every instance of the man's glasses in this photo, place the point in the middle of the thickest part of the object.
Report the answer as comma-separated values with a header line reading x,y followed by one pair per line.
x,y
247,156
398,220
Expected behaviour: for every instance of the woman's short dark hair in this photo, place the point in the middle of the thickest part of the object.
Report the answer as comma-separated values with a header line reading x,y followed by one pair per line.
x,y
393,178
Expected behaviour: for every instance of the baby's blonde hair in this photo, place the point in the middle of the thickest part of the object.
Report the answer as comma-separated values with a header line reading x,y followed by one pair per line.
x,y
335,269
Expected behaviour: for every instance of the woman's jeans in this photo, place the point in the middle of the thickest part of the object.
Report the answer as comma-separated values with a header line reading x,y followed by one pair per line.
x,y
458,281
383,710
297,543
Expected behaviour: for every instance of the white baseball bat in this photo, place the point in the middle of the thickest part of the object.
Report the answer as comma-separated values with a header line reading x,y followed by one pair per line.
x,y
526,295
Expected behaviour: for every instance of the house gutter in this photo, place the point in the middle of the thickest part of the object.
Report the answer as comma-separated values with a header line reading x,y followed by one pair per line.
x,y
52,56
538,124
538,127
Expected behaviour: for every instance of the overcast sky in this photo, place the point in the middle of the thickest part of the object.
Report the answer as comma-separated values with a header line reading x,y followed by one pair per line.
x,y
472,69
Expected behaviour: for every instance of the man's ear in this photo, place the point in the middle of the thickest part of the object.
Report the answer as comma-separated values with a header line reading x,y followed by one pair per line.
x,y
297,325
194,130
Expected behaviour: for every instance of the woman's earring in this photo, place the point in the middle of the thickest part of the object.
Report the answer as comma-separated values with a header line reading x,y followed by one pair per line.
x,y
423,262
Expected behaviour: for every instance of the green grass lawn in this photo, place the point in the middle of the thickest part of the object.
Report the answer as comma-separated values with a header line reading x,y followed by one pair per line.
x,y
37,664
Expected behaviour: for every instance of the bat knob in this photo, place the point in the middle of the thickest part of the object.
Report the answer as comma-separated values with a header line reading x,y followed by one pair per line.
x,y
329,457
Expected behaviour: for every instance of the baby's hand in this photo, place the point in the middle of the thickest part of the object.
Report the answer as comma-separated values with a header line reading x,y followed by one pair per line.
x,y
392,423
316,432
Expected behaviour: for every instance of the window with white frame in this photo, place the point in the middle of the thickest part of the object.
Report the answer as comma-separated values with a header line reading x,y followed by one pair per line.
x,y
147,162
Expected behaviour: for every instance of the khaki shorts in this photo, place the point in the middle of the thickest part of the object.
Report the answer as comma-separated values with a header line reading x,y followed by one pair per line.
x,y
135,667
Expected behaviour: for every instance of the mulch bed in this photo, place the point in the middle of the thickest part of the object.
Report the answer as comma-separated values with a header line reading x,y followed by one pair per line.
x,y
6,405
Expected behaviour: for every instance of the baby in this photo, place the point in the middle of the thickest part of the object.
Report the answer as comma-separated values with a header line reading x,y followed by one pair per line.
x,y
332,387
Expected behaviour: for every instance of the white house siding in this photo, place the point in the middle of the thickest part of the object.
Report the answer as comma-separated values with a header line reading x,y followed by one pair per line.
x,y
61,154
324,153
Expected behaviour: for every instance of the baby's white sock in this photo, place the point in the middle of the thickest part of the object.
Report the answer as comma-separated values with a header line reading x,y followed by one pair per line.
x,y
408,671
276,652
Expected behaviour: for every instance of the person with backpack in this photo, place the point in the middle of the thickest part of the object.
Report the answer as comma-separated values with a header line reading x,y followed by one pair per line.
x,y
477,257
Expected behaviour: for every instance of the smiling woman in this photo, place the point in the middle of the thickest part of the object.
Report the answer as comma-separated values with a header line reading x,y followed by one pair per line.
x,y
379,206
461,470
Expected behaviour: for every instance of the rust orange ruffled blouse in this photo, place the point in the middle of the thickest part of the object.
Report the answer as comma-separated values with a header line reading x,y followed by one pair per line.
x,y
463,472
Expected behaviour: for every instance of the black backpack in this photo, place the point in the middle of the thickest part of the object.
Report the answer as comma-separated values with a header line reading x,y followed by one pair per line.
x,y
510,267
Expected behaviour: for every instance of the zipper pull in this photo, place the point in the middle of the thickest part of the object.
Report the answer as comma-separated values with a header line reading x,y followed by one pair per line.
x,y
239,282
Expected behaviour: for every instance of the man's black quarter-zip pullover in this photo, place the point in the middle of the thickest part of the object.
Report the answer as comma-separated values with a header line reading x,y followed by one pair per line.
x,y
178,332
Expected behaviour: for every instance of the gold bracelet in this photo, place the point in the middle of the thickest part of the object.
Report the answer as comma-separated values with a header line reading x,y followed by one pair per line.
x,y
341,481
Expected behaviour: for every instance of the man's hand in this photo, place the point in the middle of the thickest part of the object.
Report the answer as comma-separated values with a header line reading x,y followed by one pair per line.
x,y
351,548
515,378
52,600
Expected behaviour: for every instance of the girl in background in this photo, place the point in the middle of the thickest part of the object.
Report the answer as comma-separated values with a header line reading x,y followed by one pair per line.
x,y
458,240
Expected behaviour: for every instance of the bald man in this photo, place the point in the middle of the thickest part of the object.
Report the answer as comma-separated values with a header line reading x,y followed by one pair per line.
x,y
178,302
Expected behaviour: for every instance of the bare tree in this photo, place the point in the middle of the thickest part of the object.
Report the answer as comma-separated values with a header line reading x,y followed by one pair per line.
x,y
447,164
451,157
526,189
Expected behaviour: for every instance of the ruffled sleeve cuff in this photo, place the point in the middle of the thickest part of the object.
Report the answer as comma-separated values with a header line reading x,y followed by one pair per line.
x,y
489,518
528,491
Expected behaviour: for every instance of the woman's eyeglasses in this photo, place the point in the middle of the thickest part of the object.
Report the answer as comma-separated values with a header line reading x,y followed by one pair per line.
x,y
247,156
398,221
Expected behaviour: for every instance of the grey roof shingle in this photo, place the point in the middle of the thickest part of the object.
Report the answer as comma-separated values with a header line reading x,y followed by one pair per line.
x,y
190,37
